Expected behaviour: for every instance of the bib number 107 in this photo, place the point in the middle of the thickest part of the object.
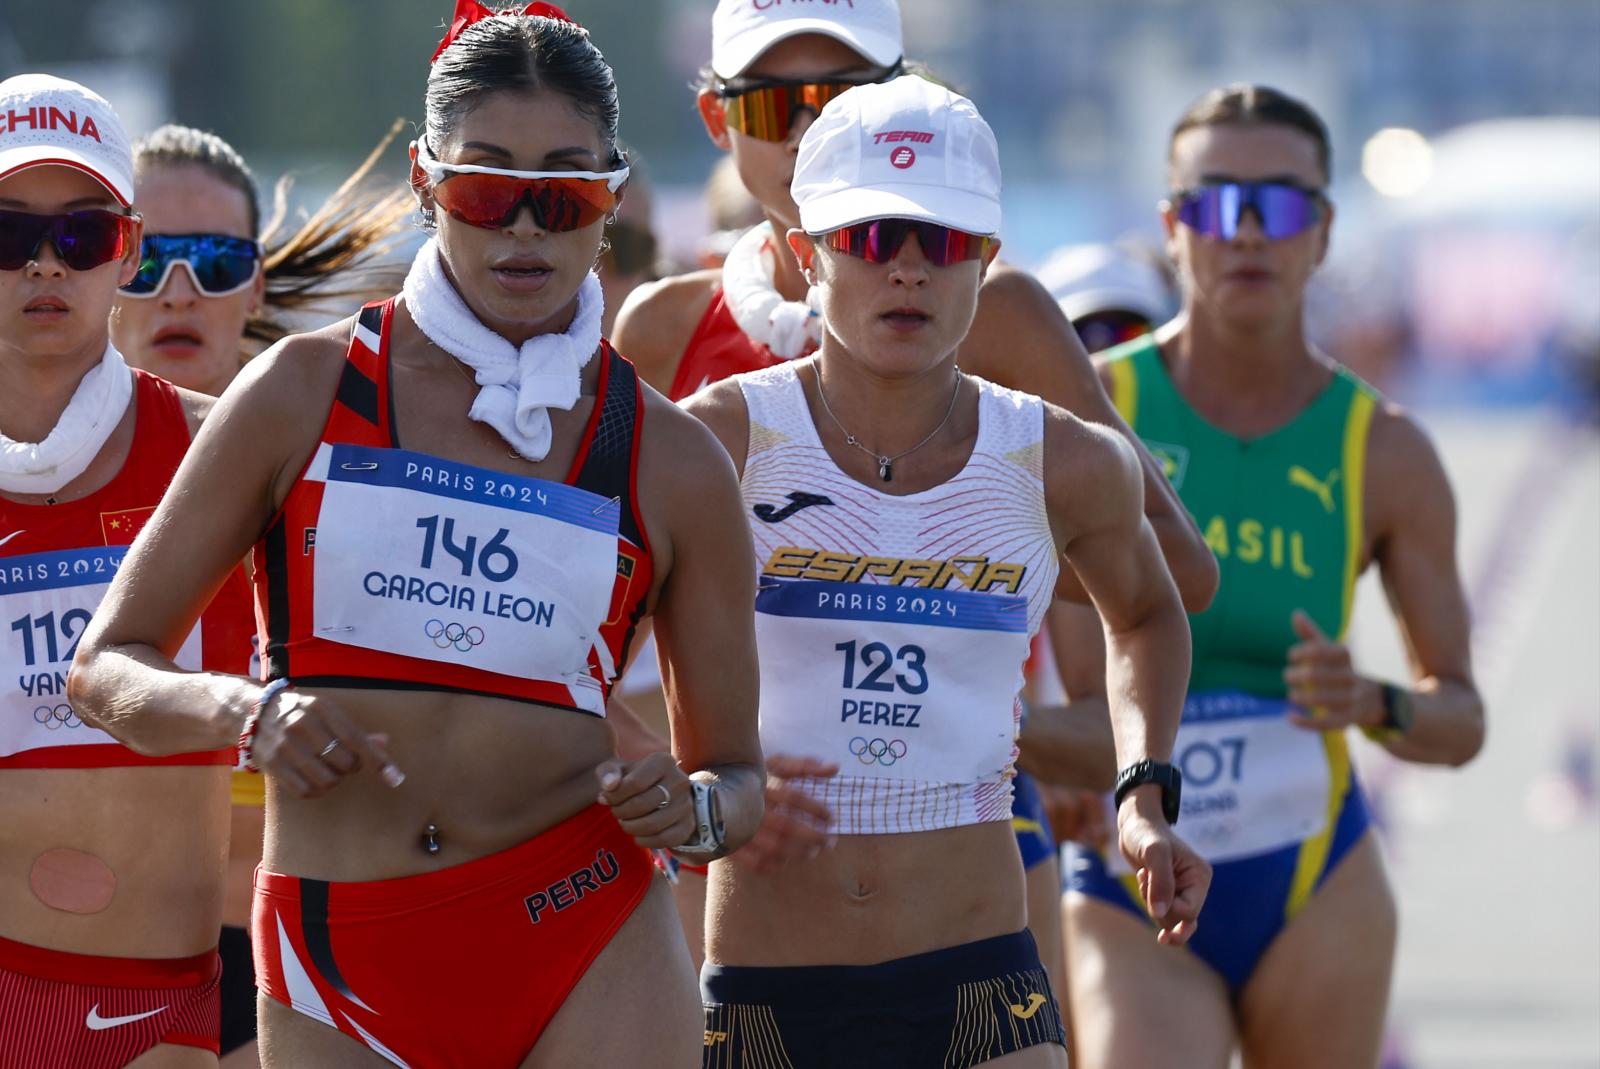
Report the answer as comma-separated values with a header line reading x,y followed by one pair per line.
x,y
874,660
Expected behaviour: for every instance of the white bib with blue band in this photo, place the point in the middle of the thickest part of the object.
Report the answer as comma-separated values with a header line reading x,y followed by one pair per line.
x,y
889,682
1252,781
46,602
892,628
430,558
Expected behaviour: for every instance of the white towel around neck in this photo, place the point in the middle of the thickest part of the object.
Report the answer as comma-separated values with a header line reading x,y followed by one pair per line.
x,y
519,385
90,418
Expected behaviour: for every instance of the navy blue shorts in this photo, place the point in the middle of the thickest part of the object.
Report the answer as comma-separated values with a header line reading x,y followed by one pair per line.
x,y
954,1008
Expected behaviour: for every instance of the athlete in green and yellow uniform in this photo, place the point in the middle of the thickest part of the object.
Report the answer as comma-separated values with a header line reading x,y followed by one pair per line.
x,y
1299,476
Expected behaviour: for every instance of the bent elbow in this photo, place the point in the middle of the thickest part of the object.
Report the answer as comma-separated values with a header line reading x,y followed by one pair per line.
x,y
1199,580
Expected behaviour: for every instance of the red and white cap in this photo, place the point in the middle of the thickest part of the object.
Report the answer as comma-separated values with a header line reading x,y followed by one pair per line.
x,y
906,149
743,29
49,120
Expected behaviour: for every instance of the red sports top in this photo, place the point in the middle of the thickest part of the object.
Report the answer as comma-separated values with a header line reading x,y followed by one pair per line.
x,y
55,564
395,606
718,350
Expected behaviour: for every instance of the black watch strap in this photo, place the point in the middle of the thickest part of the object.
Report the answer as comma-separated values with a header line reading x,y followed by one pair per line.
x,y
1158,772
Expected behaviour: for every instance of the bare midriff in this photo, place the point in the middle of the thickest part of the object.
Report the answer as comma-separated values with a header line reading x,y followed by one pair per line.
x,y
484,773
870,899
114,862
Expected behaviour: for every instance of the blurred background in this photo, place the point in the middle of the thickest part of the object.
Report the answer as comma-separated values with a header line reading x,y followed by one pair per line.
x,y
1465,281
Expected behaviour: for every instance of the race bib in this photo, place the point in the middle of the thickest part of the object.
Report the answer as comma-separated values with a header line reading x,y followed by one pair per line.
x,y
892,682
428,558
1252,781
46,602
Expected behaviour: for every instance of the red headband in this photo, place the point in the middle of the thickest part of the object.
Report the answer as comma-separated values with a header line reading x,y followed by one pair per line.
x,y
470,11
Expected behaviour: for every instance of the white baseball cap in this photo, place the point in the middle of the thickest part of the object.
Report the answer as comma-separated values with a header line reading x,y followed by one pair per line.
x,y
49,120
905,149
1085,279
743,29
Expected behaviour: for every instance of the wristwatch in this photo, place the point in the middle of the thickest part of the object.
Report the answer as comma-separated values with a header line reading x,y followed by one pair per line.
x,y
708,830
1167,776
1397,714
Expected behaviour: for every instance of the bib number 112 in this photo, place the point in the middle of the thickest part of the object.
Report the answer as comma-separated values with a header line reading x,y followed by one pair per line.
x,y
876,659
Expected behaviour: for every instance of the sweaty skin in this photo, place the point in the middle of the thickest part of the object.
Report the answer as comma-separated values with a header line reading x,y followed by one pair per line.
x,y
72,881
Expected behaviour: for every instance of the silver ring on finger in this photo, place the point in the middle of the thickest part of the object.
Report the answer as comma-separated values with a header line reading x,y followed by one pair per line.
x,y
327,751
666,796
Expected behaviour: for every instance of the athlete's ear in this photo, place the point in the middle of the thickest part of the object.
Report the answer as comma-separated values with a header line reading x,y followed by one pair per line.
x,y
712,113
134,252
805,250
1325,232
988,259
716,119
1169,225
419,183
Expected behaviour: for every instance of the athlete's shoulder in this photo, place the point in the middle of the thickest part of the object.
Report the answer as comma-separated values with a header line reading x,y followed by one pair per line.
x,y
1091,469
291,381
196,407
657,321
721,407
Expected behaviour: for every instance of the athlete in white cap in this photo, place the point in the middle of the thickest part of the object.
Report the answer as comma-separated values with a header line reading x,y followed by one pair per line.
x,y
773,67
908,520
111,861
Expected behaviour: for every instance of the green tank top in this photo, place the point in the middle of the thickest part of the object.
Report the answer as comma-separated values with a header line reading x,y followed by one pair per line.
x,y
1282,514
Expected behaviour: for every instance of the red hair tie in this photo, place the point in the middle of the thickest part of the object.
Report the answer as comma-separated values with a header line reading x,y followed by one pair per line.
x,y
471,11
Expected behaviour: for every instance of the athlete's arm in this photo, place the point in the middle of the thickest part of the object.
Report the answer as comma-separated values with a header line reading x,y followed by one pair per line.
x,y
1094,489
657,321
703,618
227,489
1021,339
1413,540
793,824
1072,745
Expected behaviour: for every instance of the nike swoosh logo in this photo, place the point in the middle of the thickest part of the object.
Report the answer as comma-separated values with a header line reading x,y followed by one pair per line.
x,y
1035,1000
10,536
97,1023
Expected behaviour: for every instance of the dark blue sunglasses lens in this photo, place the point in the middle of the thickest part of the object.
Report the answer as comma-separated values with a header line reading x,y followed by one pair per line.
x,y
1217,210
221,264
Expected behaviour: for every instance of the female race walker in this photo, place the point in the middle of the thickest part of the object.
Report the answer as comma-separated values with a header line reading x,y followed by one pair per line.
x,y
1301,476
111,869
207,296
908,520
462,503
773,67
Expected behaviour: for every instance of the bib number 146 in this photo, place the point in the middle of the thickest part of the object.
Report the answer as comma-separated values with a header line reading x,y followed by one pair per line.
x,y
873,661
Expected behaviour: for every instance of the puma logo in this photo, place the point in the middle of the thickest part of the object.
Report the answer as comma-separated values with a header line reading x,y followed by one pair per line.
x,y
798,499
1035,1000
1323,488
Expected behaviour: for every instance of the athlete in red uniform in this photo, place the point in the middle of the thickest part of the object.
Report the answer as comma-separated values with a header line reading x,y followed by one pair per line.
x,y
448,567
207,296
111,860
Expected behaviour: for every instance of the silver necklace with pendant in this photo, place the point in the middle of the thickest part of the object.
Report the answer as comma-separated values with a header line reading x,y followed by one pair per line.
x,y
886,463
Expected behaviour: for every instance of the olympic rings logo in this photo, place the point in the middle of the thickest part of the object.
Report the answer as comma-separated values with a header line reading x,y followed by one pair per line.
x,y
445,635
877,751
58,716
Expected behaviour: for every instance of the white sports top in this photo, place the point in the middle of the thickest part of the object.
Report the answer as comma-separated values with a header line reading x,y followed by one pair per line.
x,y
892,629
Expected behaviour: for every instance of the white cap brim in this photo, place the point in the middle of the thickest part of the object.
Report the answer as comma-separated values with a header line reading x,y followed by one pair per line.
x,y
21,158
1109,299
955,208
730,61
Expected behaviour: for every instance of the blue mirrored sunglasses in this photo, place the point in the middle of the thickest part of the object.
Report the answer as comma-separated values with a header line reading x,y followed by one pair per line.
x,y
217,263
1217,208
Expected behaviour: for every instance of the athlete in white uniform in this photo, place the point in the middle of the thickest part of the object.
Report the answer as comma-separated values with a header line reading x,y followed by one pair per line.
x,y
908,529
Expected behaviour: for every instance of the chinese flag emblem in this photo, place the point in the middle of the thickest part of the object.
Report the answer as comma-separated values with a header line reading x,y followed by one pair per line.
x,y
120,528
